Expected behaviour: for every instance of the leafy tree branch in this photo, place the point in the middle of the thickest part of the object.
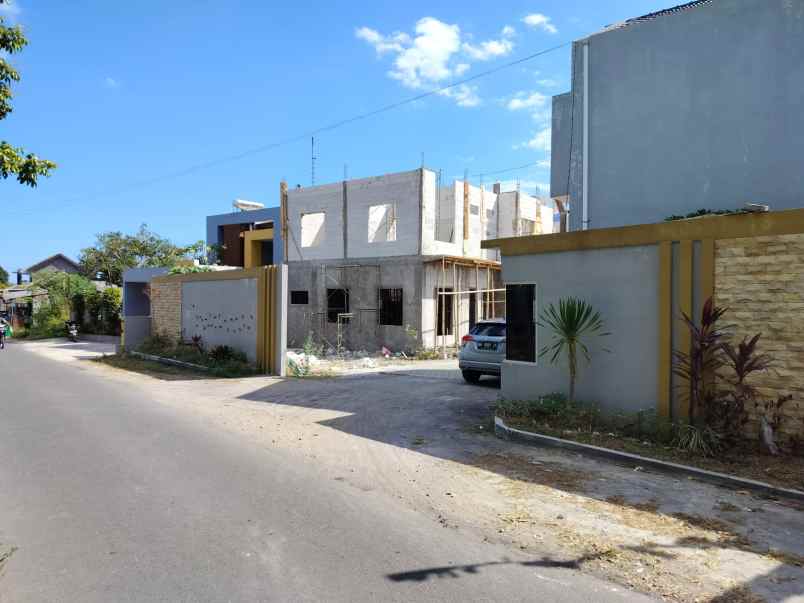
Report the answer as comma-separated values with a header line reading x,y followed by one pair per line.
x,y
15,161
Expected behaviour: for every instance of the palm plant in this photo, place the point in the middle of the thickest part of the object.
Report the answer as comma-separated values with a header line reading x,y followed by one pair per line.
x,y
573,322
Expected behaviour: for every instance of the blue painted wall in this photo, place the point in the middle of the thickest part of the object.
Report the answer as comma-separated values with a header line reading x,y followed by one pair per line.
x,y
243,217
135,302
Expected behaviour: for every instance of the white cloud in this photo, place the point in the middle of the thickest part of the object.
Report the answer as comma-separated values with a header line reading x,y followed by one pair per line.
x,y
382,44
464,95
110,82
523,100
541,141
427,59
548,83
544,164
491,49
540,21
436,53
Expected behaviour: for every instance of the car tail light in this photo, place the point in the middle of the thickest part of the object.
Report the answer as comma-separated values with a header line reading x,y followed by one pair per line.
x,y
466,339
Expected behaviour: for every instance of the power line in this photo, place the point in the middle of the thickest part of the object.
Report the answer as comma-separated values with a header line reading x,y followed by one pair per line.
x,y
505,170
326,128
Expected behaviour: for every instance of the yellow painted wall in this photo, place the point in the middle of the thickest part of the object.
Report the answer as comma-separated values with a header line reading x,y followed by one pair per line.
x,y
253,246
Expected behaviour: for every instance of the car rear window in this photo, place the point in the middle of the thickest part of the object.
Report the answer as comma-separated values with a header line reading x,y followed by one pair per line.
x,y
486,329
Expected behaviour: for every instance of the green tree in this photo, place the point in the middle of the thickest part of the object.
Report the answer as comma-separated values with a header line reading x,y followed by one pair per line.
x,y
3,276
27,167
62,289
115,252
572,323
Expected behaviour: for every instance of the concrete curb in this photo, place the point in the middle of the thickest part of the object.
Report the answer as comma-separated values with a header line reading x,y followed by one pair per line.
x,y
169,361
501,430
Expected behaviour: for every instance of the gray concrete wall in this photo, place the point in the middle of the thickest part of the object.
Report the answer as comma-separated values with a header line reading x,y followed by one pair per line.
x,y
560,145
222,313
326,199
245,217
362,277
402,191
135,302
697,109
135,330
622,284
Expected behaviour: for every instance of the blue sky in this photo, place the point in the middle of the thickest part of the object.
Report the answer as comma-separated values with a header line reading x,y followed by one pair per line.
x,y
118,93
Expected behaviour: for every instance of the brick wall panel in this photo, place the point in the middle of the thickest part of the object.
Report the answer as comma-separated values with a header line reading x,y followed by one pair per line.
x,y
166,309
761,280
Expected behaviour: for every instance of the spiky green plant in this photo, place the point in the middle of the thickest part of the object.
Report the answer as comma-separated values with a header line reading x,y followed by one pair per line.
x,y
573,323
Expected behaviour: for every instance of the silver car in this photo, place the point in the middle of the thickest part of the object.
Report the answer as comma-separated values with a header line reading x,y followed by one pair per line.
x,y
483,350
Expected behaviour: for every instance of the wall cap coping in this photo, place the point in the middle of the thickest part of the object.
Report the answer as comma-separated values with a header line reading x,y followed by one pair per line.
x,y
218,275
705,227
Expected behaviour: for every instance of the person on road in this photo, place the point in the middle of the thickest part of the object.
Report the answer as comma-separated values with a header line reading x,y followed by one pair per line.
x,y
5,327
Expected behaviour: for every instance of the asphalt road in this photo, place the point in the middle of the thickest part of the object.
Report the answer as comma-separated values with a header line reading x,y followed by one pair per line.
x,y
111,496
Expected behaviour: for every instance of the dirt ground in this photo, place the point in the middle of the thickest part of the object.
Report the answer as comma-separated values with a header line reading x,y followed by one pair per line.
x,y
418,432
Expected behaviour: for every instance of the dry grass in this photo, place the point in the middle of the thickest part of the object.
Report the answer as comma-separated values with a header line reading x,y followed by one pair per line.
x,y
156,370
521,468
677,556
785,471
739,594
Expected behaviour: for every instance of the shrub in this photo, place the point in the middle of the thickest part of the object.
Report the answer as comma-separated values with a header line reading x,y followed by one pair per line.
x,y
702,441
189,269
47,321
158,345
224,353
311,347
697,367
553,411
718,415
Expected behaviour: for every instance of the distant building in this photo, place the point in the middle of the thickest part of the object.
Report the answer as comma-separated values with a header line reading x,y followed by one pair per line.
x,y
367,258
246,238
58,262
696,106
395,260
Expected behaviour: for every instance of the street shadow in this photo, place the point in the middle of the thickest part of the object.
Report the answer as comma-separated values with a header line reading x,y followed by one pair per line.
x,y
444,417
758,587
458,571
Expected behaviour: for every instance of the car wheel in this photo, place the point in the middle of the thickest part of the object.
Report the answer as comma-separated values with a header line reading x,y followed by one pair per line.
x,y
471,376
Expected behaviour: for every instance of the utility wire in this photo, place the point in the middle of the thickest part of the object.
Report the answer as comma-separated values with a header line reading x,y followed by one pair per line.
x,y
505,170
305,136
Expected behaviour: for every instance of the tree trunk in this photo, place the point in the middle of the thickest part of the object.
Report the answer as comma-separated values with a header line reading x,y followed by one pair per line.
x,y
766,435
572,369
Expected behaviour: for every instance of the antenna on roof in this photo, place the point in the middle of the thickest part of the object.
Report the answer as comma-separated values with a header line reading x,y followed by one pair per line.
x,y
312,159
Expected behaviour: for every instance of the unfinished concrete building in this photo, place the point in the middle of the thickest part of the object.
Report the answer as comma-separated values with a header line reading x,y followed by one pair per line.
x,y
395,261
